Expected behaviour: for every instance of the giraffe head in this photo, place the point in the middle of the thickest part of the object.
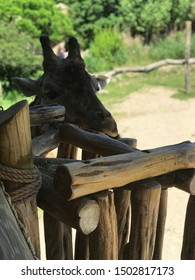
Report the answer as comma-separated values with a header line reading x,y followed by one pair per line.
x,y
66,82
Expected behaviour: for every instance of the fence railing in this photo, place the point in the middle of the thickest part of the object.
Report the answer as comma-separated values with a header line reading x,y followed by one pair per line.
x,y
115,195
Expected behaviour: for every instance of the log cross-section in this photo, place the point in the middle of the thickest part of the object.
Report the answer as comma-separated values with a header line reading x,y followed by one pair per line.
x,y
82,178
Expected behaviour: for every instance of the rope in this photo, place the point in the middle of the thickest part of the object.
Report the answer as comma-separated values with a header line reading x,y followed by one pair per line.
x,y
21,226
30,177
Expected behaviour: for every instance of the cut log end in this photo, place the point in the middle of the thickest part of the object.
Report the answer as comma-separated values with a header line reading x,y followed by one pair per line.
x,y
8,114
89,215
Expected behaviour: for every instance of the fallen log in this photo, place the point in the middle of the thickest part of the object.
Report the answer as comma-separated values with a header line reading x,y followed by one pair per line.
x,y
82,178
41,114
81,214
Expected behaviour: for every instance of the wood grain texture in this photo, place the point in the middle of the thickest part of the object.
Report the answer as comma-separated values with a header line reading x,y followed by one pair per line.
x,y
81,178
40,114
13,245
16,152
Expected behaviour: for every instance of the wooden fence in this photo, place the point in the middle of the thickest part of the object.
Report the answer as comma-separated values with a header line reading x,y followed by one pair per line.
x,y
115,196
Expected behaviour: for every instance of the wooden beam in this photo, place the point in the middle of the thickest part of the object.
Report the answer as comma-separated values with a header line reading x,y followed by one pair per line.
x,y
81,214
82,178
150,67
41,114
45,142
95,143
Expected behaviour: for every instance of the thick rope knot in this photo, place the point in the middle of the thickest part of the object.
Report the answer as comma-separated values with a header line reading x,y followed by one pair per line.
x,y
31,179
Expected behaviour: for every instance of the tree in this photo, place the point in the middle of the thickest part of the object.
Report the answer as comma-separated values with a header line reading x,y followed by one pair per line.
x,y
19,57
36,17
146,17
88,15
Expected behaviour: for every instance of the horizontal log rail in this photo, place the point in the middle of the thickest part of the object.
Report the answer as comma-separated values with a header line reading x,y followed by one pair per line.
x,y
82,214
82,178
40,114
150,67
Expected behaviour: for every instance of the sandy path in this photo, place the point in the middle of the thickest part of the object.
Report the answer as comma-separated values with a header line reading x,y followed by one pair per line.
x,y
156,119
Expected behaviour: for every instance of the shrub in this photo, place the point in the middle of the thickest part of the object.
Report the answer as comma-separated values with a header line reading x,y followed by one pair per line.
x,y
106,51
18,55
168,48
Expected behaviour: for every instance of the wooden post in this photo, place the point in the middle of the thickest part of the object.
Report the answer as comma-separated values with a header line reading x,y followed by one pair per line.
x,y
54,229
162,214
13,245
103,242
122,204
188,25
188,246
105,236
144,217
16,152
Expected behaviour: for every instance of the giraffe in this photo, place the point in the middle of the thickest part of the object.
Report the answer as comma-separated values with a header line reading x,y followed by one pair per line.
x,y
67,82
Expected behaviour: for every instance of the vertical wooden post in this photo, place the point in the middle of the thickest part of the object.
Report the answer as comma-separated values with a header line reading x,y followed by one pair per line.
x,y
122,204
58,236
103,242
16,152
144,217
188,246
82,241
13,245
188,25
162,214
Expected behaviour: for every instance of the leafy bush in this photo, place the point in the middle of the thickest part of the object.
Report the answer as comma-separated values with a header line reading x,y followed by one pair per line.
x,y
168,48
20,55
106,51
171,47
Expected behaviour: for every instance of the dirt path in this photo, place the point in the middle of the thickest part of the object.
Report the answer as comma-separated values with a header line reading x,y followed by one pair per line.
x,y
156,119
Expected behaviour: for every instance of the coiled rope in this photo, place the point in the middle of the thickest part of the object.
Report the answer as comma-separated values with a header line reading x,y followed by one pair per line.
x,y
30,178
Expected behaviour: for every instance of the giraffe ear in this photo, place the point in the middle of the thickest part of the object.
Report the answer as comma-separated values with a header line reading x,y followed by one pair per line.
x,y
103,81
27,86
100,82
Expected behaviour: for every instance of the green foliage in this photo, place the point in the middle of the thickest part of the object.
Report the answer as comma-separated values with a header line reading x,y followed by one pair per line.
x,y
173,47
87,15
106,51
36,17
145,17
18,54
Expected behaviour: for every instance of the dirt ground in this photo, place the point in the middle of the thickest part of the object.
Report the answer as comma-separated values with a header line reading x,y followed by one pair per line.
x,y
156,119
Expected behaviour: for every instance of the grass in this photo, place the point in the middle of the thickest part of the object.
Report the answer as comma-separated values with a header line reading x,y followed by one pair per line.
x,y
12,98
170,77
